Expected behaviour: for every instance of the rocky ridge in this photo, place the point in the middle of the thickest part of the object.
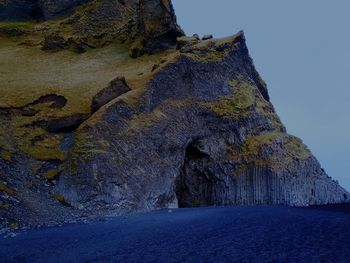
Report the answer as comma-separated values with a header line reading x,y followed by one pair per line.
x,y
157,119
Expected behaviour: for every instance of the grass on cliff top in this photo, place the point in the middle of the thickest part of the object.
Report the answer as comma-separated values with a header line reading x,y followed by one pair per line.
x,y
26,25
26,73
214,50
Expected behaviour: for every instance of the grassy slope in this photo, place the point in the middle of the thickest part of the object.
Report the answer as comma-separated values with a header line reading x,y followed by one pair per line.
x,y
26,73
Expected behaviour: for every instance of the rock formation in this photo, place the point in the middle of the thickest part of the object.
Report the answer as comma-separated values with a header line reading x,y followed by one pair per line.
x,y
111,110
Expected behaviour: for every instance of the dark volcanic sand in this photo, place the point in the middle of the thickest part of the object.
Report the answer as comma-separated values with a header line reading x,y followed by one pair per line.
x,y
228,234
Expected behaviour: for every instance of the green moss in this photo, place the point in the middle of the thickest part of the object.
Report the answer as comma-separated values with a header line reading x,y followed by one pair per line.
x,y
243,97
6,189
26,25
29,185
272,149
46,148
253,144
53,174
209,51
36,167
6,147
13,225
94,70
85,148
145,121
60,198
86,144
244,102
296,148
4,206
6,155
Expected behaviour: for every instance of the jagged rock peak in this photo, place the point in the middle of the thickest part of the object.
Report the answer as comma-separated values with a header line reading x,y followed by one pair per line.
x,y
158,22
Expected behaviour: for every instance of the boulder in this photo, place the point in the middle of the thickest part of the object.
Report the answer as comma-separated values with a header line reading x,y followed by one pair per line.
x,y
54,42
116,87
206,37
186,41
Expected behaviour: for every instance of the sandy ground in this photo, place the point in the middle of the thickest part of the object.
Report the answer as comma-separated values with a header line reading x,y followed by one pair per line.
x,y
228,234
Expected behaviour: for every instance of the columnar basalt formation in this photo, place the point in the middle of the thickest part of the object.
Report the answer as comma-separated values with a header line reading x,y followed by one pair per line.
x,y
112,110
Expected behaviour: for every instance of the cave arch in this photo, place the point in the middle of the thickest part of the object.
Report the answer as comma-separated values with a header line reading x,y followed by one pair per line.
x,y
195,183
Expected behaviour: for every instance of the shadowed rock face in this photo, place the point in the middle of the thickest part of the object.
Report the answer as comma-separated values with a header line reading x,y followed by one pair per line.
x,y
150,24
116,87
158,22
36,9
194,128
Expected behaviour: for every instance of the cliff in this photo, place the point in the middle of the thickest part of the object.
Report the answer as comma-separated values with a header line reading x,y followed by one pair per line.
x,y
109,109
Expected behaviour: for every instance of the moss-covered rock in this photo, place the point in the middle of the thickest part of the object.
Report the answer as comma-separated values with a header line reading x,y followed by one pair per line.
x,y
53,174
287,149
6,189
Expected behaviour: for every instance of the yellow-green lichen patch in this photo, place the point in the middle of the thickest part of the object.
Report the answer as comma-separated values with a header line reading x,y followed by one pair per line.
x,y
13,225
53,174
6,155
15,29
34,140
144,121
86,144
85,148
25,25
244,102
6,189
29,185
296,148
4,206
272,149
211,50
61,199
35,167
6,142
234,106
76,77
253,144
38,143
28,73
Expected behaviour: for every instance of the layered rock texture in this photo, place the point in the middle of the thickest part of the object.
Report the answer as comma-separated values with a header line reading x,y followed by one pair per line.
x,y
109,109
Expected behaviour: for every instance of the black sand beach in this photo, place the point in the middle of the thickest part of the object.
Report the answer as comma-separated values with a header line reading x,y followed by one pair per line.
x,y
227,234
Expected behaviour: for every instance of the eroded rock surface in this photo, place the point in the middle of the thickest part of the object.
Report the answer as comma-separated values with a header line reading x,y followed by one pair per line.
x,y
36,9
147,26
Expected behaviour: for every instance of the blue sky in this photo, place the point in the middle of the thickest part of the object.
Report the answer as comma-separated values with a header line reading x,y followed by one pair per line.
x,y
302,50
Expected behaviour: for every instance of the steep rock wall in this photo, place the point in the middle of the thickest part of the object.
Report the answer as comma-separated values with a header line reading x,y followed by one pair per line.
x,y
178,147
147,26
21,10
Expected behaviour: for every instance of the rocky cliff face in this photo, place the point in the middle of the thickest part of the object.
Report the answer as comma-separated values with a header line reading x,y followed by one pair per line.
x,y
115,111
17,10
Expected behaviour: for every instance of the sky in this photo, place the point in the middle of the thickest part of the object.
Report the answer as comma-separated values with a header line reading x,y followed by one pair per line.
x,y
302,50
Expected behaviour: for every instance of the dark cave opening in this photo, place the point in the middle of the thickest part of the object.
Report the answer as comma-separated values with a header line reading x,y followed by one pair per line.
x,y
194,185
